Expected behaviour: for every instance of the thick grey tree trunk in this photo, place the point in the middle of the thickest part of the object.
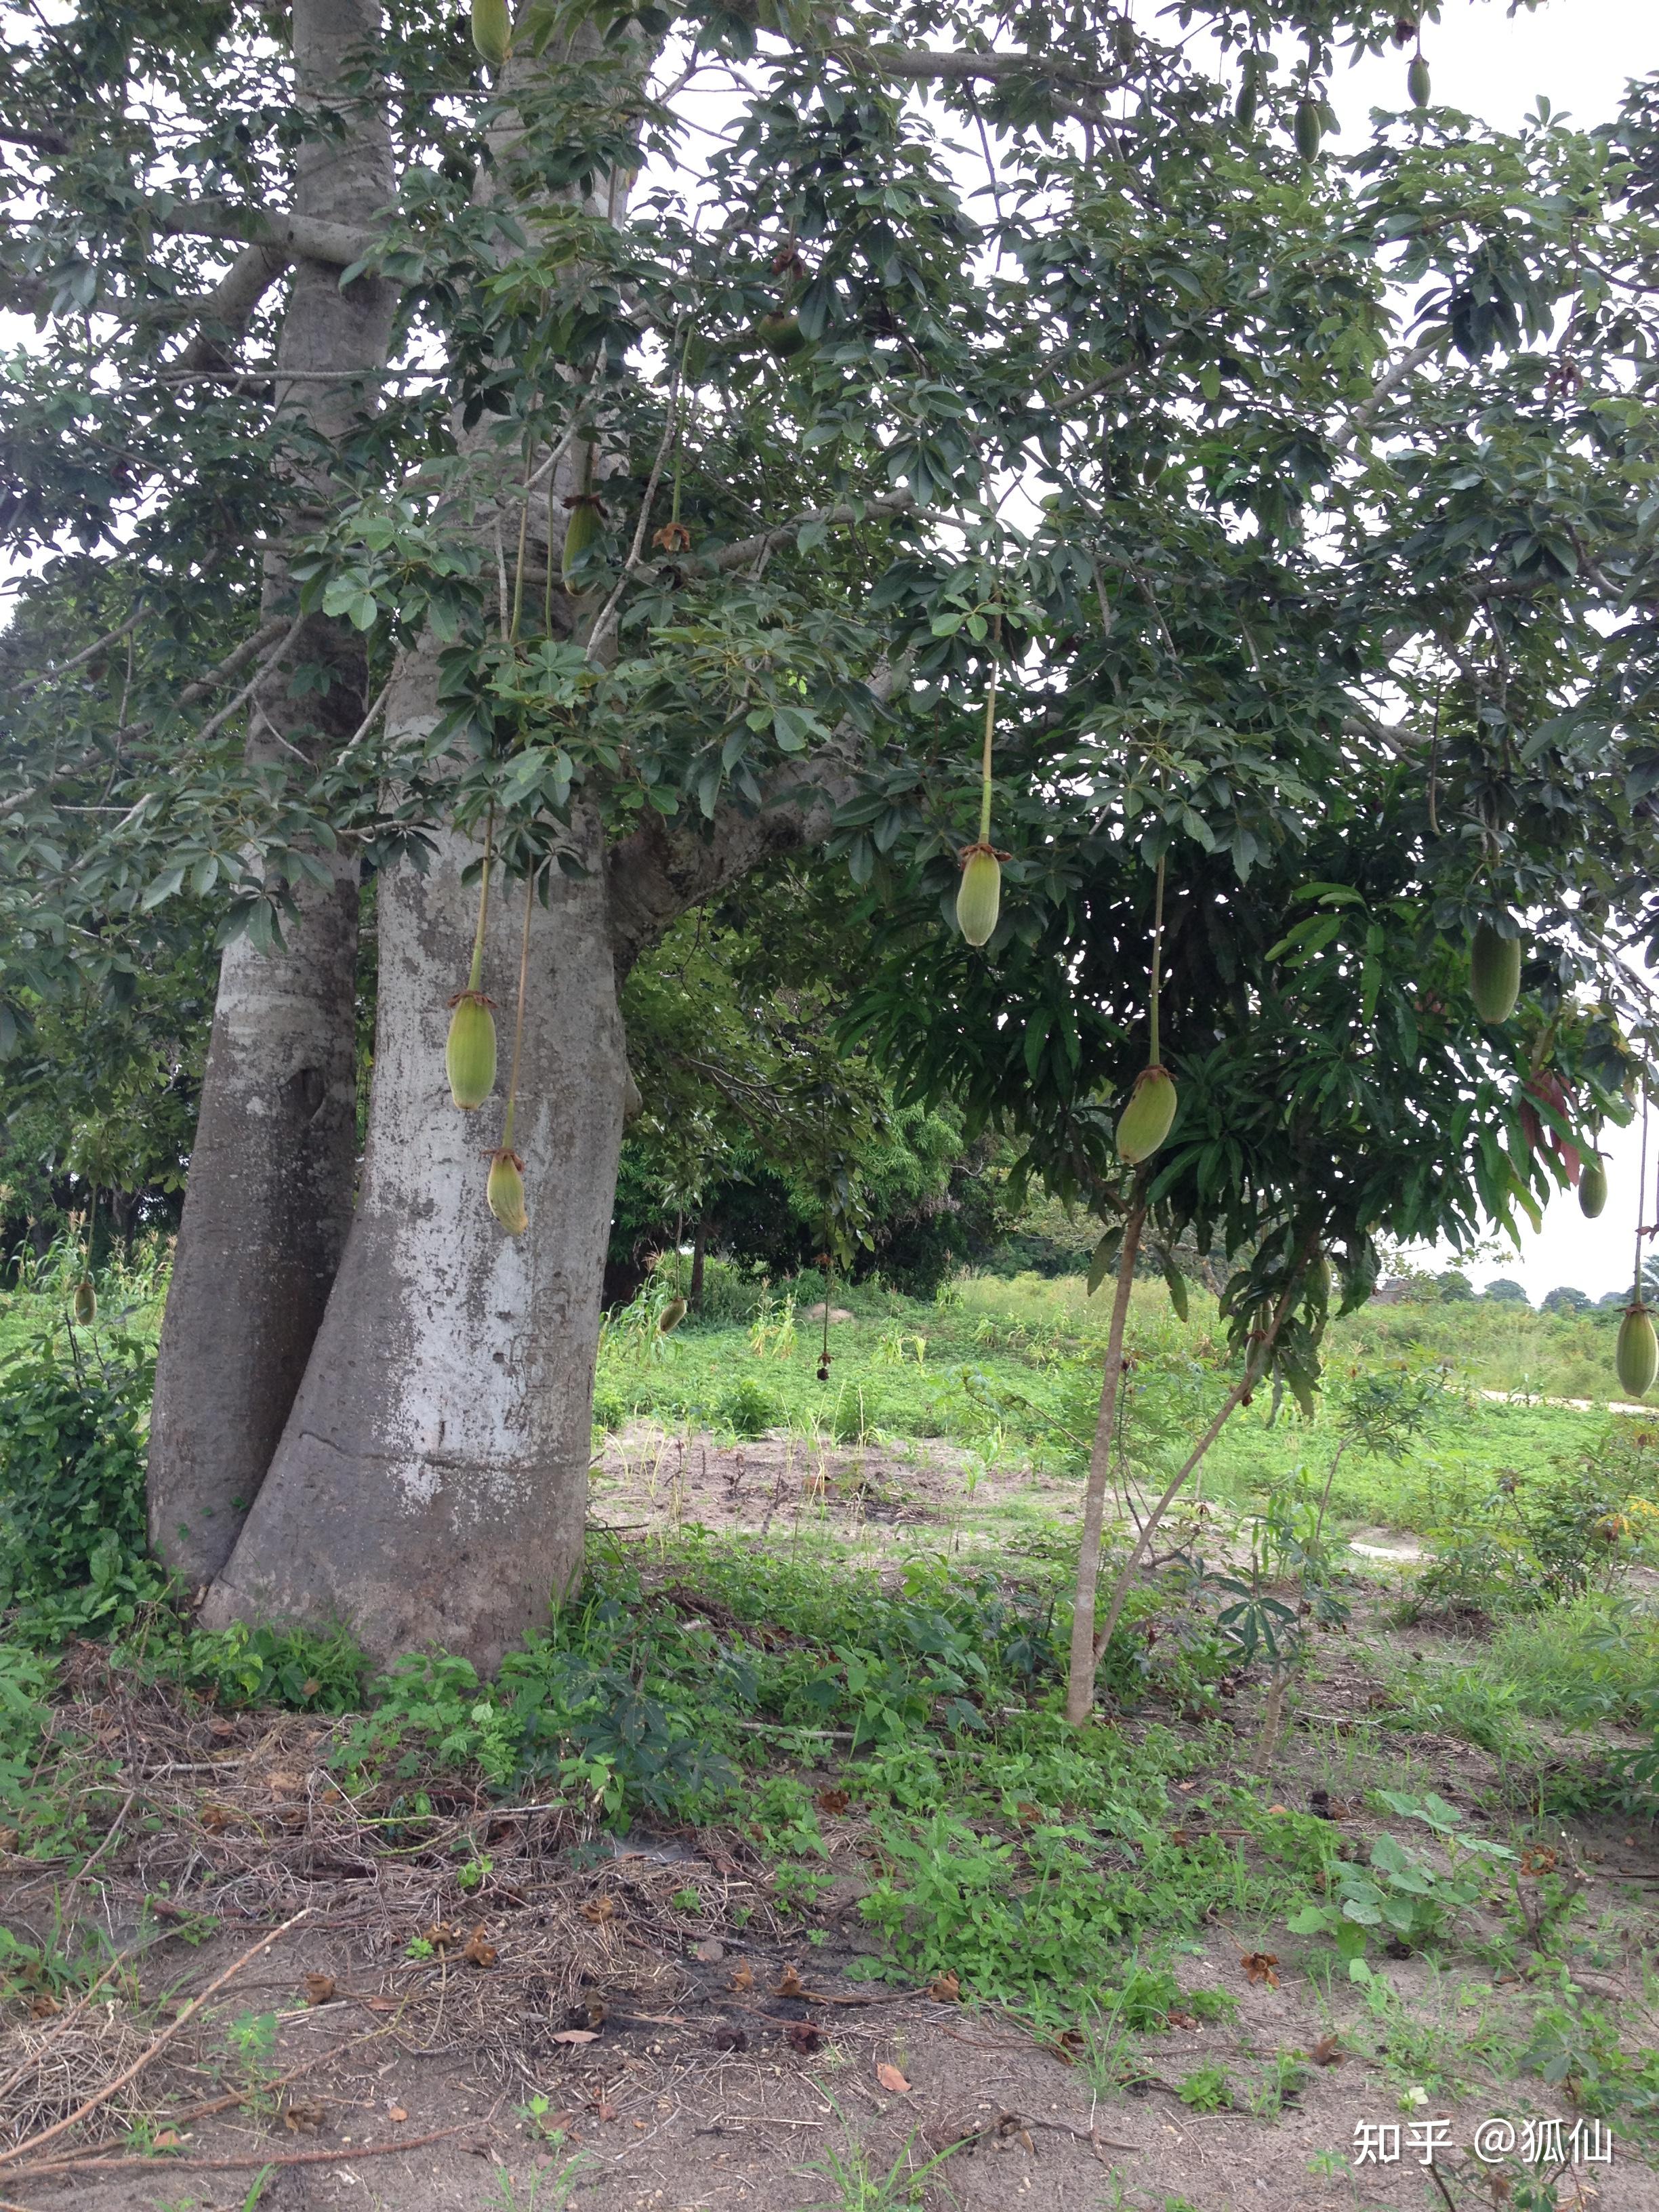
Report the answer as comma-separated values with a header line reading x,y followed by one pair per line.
x,y
432,1482
268,1200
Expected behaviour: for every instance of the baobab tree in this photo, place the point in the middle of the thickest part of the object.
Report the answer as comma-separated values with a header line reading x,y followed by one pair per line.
x,y
517,498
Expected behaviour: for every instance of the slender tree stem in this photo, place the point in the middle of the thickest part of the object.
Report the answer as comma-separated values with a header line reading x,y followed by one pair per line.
x,y
523,533
1641,1199
518,1023
474,980
1240,1391
1157,954
985,765
1325,1497
1080,1686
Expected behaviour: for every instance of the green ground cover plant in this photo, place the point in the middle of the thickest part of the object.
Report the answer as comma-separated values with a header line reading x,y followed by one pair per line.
x,y
699,1680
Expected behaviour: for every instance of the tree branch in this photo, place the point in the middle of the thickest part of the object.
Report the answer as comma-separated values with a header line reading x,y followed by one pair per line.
x,y
225,311
192,695
940,65
662,870
741,550
39,141
1394,375
336,243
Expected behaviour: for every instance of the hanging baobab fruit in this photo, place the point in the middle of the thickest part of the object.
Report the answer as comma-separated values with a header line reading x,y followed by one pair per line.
x,y
1593,1187
1494,972
584,528
1249,91
1147,1119
470,1054
85,1302
492,31
781,333
1637,1357
504,1191
979,898
1416,80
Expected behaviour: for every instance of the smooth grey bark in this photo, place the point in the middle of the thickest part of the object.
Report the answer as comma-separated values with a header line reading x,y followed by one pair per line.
x,y
431,1485
268,1203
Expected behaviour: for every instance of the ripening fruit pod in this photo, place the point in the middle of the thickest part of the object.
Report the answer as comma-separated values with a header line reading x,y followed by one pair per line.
x,y
672,1315
781,333
86,1302
1249,90
492,31
1494,973
1416,81
506,1192
1319,1280
582,534
1593,1187
1145,1121
1309,127
469,1055
1637,1357
979,898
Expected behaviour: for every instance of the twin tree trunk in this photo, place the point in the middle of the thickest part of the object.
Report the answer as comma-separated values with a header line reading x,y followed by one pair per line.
x,y
269,1200
411,1463
382,1419
431,1484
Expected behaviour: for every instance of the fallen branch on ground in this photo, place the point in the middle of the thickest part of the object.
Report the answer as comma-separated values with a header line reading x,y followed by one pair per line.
x,y
62,2127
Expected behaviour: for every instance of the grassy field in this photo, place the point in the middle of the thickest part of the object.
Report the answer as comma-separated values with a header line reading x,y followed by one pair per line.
x,y
789,1781
1008,1370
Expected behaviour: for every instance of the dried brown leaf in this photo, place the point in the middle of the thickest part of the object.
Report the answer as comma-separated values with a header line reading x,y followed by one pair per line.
x,y
1261,1967
892,2080
318,1988
945,1987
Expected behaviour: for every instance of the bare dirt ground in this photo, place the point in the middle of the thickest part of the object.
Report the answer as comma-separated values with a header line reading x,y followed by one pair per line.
x,y
269,2040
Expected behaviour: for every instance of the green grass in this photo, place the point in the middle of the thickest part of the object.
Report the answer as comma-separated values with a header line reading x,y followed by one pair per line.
x,y
1066,1875
1009,1369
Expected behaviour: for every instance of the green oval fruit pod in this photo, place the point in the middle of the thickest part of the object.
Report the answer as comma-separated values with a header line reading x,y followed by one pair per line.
x,y
504,1191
